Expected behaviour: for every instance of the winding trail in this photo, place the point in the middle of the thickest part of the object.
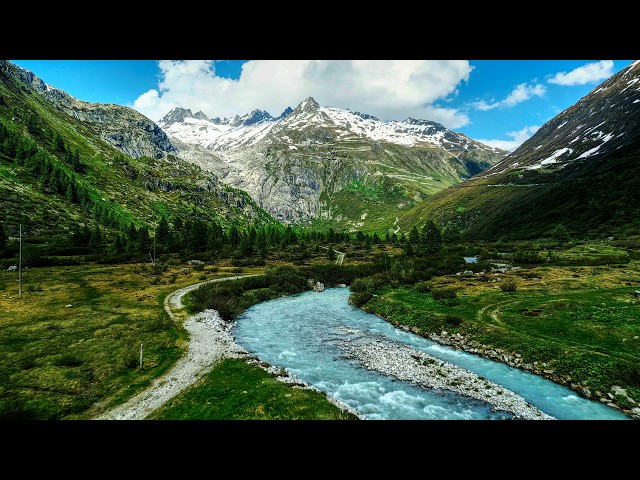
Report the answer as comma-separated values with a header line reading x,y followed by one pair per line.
x,y
210,341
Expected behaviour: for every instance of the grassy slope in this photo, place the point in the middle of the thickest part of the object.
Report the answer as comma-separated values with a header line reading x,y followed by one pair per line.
x,y
236,390
595,198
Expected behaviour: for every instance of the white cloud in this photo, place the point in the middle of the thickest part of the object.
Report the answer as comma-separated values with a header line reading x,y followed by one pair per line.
x,y
521,93
388,89
589,73
517,138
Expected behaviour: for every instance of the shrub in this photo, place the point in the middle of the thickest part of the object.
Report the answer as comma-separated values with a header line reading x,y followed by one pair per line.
x,y
286,280
357,299
527,257
422,287
508,286
67,360
443,293
453,320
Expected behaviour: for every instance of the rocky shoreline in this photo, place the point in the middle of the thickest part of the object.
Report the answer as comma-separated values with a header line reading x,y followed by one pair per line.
x,y
411,365
460,342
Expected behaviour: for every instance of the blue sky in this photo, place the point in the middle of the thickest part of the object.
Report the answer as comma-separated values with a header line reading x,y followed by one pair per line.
x,y
501,102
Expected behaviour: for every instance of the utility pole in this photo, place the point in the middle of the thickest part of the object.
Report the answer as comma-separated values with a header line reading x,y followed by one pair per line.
x,y
20,266
154,245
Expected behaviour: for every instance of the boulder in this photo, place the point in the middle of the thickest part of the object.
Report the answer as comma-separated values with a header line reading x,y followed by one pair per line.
x,y
12,268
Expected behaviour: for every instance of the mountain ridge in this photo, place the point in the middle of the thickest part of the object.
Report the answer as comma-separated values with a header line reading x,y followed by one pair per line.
x,y
578,171
295,165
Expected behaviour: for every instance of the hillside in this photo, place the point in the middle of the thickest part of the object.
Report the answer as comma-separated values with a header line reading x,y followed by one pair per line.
x,y
59,174
580,170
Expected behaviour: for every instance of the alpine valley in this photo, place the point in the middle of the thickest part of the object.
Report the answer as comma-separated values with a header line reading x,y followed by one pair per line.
x,y
193,267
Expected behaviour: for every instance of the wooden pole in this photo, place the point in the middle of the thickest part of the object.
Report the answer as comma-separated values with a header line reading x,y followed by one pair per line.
x,y
20,266
141,353
154,245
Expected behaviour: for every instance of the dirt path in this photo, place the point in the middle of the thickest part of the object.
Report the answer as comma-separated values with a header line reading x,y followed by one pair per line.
x,y
210,341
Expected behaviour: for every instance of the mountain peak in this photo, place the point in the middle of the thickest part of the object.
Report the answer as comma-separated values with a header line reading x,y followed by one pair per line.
x,y
426,123
307,105
200,115
285,113
177,115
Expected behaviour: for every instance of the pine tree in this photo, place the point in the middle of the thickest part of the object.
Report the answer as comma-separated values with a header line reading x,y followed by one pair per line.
x,y
451,235
431,237
70,193
331,254
3,239
96,238
118,244
414,236
58,143
162,233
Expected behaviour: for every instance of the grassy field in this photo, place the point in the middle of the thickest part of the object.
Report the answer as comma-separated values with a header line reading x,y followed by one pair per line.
x,y
235,390
578,325
70,347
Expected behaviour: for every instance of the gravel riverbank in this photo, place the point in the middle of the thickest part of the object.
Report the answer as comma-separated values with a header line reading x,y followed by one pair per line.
x,y
411,365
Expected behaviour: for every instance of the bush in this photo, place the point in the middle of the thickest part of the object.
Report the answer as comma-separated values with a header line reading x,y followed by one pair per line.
x,y
508,286
453,320
443,293
357,299
422,287
367,284
67,360
528,257
286,280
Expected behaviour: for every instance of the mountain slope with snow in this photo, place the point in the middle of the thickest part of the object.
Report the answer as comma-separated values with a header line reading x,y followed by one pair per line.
x,y
323,164
581,169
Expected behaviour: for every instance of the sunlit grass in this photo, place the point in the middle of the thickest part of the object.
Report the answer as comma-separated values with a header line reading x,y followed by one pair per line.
x,y
235,390
69,347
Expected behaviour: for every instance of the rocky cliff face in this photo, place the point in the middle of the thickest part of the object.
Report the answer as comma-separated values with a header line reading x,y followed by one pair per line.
x,y
122,127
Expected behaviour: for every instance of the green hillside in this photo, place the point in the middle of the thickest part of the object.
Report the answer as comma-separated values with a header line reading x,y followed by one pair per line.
x,y
593,199
58,177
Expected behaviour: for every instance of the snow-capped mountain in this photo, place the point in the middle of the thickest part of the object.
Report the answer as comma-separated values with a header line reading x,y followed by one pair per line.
x,y
251,128
580,172
301,165
599,123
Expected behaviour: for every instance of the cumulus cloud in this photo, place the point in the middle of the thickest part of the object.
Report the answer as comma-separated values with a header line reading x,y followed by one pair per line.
x,y
388,89
589,73
519,94
517,138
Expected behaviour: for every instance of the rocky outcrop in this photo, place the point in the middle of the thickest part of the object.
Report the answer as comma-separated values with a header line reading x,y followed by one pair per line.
x,y
122,127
